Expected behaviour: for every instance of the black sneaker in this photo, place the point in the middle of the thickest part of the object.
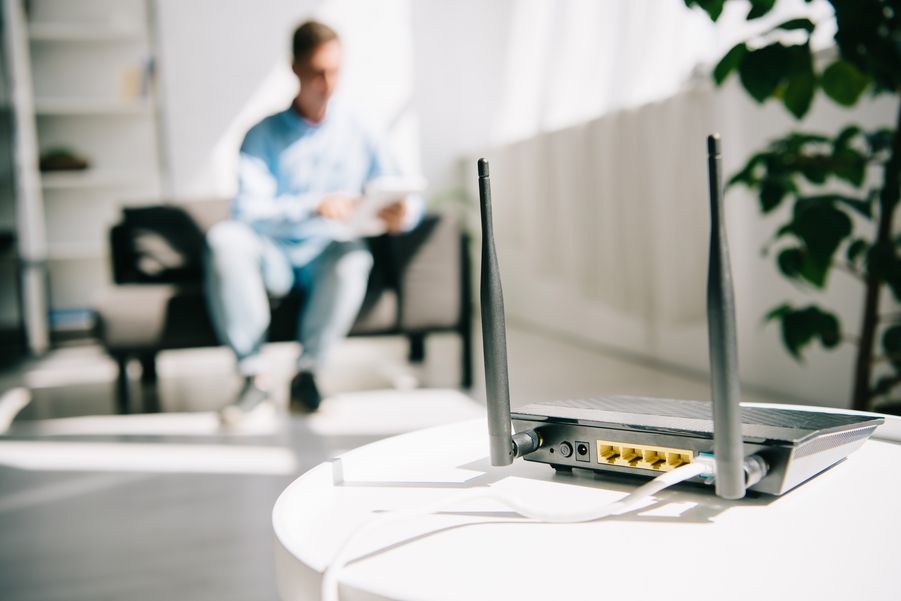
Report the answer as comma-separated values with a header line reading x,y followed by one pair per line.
x,y
305,397
252,401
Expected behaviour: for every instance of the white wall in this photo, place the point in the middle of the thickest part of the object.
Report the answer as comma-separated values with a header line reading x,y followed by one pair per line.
x,y
225,64
490,73
445,78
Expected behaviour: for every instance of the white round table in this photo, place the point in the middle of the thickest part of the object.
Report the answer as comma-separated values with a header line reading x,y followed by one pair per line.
x,y
835,537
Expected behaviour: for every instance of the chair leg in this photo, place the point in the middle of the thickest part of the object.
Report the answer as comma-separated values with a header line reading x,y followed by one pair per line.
x,y
150,402
148,368
417,348
466,356
465,324
123,401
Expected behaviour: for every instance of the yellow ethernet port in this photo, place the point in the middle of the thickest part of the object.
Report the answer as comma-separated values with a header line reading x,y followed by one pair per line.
x,y
661,459
607,453
629,456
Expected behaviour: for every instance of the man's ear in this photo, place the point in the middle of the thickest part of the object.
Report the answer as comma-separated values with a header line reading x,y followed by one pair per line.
x,y
295,66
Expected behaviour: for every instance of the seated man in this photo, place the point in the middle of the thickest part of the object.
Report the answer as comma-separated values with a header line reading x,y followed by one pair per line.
x,y
301,173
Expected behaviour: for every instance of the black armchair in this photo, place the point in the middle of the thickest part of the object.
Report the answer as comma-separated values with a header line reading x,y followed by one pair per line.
x,y
419,285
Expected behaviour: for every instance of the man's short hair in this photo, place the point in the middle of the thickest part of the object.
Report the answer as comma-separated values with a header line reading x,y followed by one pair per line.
x,y
310,35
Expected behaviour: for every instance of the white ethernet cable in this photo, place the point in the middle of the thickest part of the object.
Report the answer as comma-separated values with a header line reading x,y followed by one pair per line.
x,y
702,466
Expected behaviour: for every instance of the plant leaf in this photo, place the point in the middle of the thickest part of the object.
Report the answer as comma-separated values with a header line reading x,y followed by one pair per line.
x,y
791,262
761,71
796,333
748,174
759,8
880,140
855,250
785,229
822,227
884,264
850,165
864,207
828,330
891,344
814,168
800,327
794,24
797,139
772,191
885,384
843,82
845,137
798,94
894,282
814,271
800,80
867,36
729,63
778,312
797,264
713,8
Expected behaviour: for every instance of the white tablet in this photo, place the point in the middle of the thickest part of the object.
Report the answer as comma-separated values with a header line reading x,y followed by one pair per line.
x,y
379,193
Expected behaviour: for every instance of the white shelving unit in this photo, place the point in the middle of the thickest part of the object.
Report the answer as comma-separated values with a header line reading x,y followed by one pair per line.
x,y
75,107
76,32
11,318
94,179
93,93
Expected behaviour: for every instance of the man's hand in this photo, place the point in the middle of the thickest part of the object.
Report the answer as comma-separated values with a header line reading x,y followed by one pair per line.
x,y
337,206
394,215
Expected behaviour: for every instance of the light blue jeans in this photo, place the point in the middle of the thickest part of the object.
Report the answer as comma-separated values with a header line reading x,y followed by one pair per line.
x,y
245,268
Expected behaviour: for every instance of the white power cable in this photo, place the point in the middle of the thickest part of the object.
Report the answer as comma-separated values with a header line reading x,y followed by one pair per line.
x,y
702,466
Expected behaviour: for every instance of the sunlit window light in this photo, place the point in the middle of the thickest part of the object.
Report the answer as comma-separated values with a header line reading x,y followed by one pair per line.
x,y
154,458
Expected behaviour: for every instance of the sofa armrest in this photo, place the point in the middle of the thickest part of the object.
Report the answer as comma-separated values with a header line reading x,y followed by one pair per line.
x,y
122,254
431,271
157,244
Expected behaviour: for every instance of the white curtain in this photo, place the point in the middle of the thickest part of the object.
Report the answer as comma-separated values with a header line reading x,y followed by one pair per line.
x,y
568,61
613,212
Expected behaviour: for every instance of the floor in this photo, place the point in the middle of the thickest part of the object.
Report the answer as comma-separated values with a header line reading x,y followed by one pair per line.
x,y
167,505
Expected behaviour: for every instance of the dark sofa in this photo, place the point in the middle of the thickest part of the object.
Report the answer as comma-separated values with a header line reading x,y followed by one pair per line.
x,y
419,285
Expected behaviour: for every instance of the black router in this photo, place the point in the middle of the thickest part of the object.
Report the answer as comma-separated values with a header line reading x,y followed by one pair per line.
x,y
768,450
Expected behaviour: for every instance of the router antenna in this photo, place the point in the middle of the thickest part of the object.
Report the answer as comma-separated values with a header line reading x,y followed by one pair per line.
x,y
724,384
494,335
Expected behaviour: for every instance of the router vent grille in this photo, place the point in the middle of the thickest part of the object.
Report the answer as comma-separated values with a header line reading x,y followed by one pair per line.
x,y
830,441
777,418
641,406
805,420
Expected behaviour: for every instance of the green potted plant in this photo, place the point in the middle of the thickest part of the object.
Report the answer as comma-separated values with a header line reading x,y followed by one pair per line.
x,y
803,169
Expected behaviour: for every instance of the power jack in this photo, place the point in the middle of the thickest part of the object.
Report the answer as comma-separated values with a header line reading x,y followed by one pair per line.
x,y
582,451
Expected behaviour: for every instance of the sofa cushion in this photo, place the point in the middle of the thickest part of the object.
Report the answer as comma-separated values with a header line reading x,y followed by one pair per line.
x,y
133,317
139,318
432,266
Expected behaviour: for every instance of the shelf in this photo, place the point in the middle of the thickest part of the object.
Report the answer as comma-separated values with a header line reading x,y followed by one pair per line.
x,y
90,178
93,68
90,106
84,32
77,319
7,240
75,252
